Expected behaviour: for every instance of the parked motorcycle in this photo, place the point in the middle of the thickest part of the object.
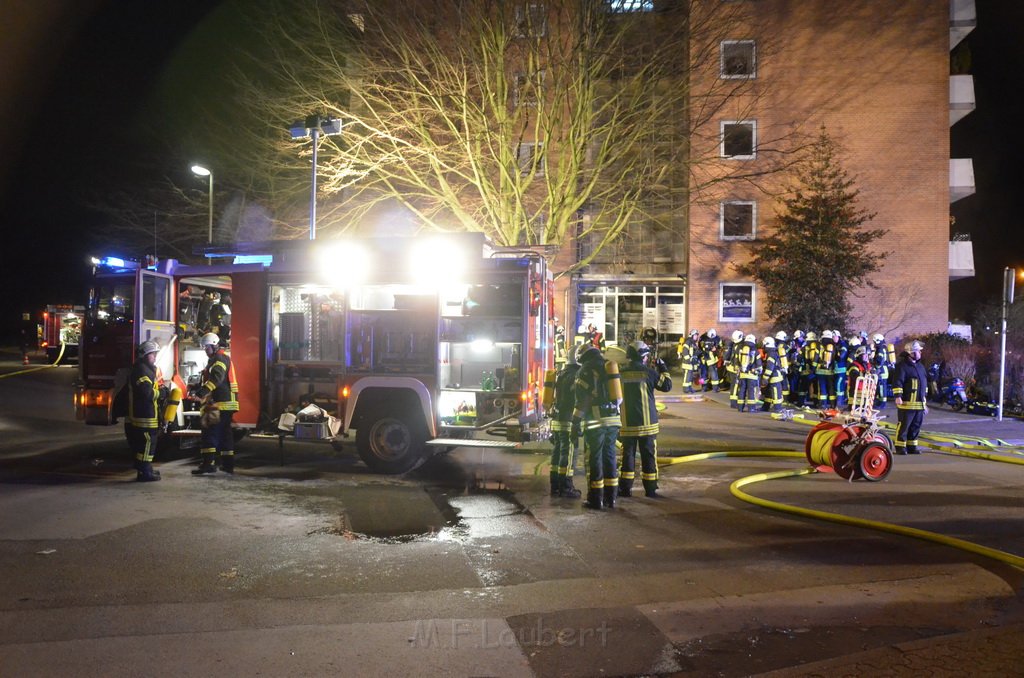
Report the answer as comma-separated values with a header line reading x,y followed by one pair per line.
x,y
952,392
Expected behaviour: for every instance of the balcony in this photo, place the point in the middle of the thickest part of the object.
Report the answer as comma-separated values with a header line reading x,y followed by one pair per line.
x,y
961,178
962,20
961,258
961,97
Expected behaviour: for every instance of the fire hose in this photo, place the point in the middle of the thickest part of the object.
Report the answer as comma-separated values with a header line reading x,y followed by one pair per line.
x,y
41,367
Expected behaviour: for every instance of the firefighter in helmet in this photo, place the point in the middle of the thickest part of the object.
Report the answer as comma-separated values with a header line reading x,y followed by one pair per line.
x,y
640,418
909,390
731,357
883,360
218,391
564,443
596,416
710,352
688,356
748,397
142,428
772,374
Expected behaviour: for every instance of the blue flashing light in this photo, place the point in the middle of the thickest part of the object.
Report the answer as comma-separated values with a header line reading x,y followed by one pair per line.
x,y
265,259
113,262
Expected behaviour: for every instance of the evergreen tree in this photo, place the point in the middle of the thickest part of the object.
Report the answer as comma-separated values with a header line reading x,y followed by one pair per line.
x,y
818,253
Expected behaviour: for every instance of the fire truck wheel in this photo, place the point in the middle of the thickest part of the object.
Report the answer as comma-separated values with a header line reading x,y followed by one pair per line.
x,y
391,444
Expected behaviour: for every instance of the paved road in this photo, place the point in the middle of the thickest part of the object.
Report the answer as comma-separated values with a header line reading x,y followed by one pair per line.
x,y
467,567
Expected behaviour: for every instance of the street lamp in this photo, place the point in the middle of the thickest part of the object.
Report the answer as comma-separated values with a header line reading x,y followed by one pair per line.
x,y
313,126
201,171
1009,277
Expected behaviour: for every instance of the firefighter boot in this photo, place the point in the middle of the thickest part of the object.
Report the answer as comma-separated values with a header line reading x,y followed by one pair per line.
x,y
556,485
609,496
625,490
146,473
568,490
651,489
594,500
207,465
227,463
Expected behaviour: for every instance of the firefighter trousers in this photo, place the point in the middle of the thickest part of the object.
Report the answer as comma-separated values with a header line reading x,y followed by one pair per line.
x,y
647,446
908,427
601,467
562,453
219,437
142,442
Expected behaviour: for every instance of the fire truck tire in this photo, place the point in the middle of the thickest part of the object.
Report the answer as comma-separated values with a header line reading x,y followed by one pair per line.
x,y
391,443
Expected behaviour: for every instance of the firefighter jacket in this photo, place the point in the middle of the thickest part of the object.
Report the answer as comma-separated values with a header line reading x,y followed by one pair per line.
x,y
826,362
729,356
809,353
858,368
794,357
688,354
143,396
219,382
772,363
639,415
594,406
565,397
909,382
882,359
842,356
710,347
748,360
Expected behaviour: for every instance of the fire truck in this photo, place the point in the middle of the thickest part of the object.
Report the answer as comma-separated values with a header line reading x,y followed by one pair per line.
x,y
60,330
414,345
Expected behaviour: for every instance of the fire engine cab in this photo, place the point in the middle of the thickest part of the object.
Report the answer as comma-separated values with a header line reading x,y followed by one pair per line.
x,y
415,345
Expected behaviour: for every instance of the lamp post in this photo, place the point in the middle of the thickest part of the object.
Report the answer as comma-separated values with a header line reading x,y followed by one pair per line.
x,y
201,171
1009,277
313,126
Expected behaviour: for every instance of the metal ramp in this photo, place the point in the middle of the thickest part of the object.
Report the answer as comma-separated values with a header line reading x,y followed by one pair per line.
x,y
472,442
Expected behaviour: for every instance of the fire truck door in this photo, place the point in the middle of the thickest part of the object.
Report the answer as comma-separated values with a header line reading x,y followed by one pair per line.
x,y
154,316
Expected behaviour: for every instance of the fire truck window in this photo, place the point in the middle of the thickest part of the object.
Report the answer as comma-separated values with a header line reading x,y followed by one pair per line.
x,y
156,298
112,301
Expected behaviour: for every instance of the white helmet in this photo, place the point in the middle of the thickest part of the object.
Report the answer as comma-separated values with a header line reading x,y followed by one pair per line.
x,y
811,336
836,334
877,338
737,336
827,334
147,347
209,339
781,335
694,333
768,342
751,338
798,334
912,346
712,333
855,341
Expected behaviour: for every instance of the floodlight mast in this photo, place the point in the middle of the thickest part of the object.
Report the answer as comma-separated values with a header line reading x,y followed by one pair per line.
x,y
313,127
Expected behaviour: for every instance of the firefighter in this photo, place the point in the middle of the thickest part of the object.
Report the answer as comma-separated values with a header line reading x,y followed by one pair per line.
x,y
563,442
220,318
825,370
748,397
710,352
594,338
858,367
771,375
909,391
883,361
218,391
640,418
842,361
142,427
597,416
782,347
731,358
807,391
688,352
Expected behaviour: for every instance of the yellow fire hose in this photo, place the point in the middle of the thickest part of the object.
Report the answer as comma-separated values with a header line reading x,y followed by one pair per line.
x,y
41,367
734,488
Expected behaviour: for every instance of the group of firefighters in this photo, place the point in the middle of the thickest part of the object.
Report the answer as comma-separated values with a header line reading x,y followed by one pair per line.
x,y
813,369
217,392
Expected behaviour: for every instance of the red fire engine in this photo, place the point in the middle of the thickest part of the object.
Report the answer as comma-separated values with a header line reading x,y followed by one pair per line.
x,y
416,344
60,330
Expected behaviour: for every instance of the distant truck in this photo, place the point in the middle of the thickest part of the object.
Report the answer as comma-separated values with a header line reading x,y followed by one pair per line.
x,y
60,332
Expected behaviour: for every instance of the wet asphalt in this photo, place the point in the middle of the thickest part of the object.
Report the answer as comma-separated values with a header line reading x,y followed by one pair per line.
x,y
303,563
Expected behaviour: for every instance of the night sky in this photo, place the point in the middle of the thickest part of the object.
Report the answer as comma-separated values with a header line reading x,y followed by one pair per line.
x,y
77,79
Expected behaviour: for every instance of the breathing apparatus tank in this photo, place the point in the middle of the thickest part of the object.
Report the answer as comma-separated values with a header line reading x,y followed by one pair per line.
x,y
548,394
611,370
171,408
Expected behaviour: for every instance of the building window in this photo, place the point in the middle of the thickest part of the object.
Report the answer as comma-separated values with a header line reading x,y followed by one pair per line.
x,y
738,220
736,302
531,20
739,139
738,59
528,89
531,158
631,5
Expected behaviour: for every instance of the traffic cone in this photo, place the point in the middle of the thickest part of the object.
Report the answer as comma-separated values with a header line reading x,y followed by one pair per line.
x,y
24,358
